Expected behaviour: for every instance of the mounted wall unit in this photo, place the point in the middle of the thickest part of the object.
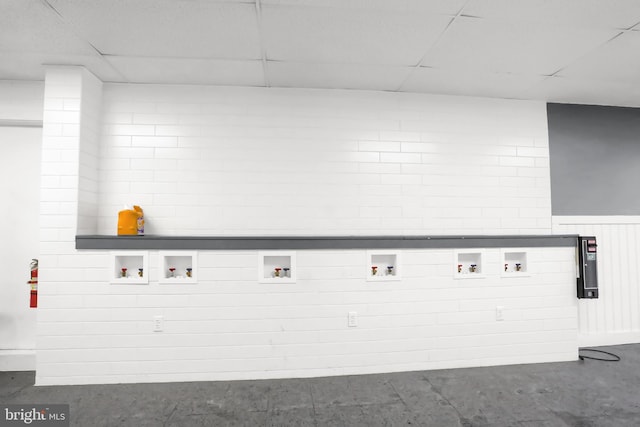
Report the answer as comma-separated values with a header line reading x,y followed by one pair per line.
x,y
180,267
514,263
130,267
383,265
468,264
277,267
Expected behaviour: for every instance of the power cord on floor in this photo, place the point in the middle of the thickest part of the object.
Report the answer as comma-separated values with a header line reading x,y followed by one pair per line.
x,y
616,358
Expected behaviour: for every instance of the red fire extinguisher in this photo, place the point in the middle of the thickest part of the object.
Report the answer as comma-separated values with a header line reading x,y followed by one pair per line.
x,y
34,284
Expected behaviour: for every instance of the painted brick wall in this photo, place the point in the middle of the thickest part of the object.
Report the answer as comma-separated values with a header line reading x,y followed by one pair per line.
x,y
60,161
204,160
65,185
90,125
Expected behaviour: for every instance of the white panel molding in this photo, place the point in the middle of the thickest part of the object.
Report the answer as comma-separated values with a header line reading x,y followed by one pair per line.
x,y
612,318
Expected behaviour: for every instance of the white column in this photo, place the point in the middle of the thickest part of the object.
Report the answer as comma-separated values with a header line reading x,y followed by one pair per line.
x,y
70,155
69,185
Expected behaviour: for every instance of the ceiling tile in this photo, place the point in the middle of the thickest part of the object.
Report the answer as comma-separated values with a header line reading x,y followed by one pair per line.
x,y
365,36
573,13
515,47
30,26
189,71
30,66
466,82
344,76
582,91
447,7
617,60
166,28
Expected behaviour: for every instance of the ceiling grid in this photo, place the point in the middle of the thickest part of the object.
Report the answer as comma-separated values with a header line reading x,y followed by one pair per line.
x,y
574,51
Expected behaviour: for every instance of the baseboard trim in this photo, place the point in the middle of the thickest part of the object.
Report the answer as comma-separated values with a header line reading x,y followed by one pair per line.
x,y
17,360
596,340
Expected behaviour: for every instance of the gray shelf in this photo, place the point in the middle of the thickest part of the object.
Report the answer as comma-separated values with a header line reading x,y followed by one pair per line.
x,y
320,242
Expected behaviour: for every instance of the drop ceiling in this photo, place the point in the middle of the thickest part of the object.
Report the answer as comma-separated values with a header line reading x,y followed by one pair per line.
x,y
574,51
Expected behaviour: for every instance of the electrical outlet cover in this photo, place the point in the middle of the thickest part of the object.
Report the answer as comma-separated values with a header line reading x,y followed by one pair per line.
x,y
158,323
352,319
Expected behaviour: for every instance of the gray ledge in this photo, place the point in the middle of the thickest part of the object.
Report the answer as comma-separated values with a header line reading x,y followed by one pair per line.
x,y
20,123
321,242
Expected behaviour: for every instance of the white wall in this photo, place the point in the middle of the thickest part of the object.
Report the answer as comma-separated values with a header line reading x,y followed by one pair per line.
x,y
209,160
613,318
20,193
203,160
21,100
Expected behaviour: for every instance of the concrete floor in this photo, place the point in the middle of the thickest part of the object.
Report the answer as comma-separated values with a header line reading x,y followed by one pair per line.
x,y
582,393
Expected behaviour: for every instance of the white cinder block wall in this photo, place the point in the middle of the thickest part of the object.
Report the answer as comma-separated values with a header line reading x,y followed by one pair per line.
x,y
206,160
249,161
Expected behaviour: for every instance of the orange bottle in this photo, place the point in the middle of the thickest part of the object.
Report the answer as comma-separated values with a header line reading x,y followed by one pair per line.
x,y
131,222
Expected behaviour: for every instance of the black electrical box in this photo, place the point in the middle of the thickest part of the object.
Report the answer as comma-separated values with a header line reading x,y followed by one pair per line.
x,y
587,267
